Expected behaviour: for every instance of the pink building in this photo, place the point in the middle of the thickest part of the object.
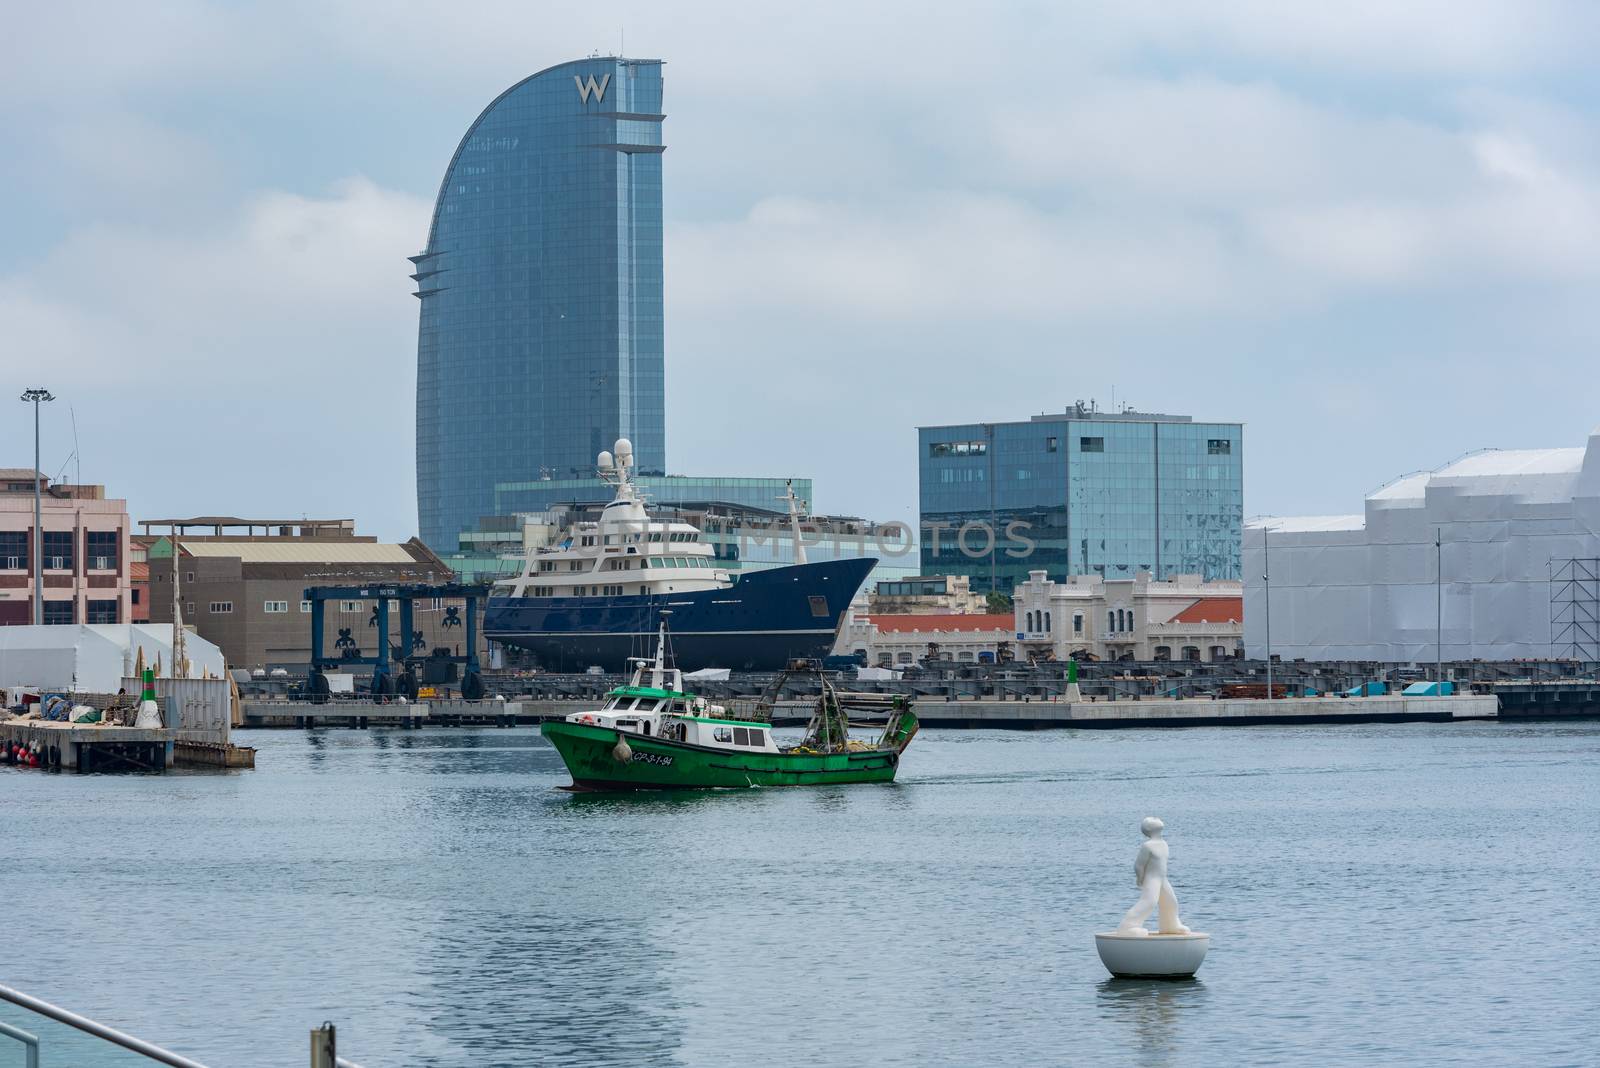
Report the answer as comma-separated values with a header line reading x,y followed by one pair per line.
x,y
85,552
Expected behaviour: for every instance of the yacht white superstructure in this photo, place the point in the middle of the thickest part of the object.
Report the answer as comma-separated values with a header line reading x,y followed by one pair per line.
x,y
623,553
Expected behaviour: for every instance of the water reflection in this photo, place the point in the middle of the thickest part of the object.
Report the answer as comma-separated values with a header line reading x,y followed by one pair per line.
x,y
639,802
1153,1012
564,986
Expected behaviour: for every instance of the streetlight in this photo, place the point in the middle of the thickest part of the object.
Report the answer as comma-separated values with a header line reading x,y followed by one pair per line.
x,y
37,395
1266,576
1438,606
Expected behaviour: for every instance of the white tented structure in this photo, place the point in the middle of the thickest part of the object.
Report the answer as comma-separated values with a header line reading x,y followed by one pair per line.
x,y
96,657
1513,576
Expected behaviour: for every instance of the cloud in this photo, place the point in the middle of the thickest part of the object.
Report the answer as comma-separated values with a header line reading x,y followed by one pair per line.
x,y
283,280
1411,41
881,214
940,256
281,344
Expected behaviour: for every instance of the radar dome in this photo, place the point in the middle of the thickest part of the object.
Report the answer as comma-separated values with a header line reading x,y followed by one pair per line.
x,y
624,449
604,461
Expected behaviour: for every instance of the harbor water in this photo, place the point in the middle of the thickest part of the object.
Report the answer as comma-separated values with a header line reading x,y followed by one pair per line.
x,y
1379,894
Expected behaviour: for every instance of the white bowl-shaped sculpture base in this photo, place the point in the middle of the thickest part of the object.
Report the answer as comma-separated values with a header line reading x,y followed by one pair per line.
x,y
1152,956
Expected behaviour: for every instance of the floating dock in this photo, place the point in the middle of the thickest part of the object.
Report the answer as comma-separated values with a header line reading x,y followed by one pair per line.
x,y
1548,698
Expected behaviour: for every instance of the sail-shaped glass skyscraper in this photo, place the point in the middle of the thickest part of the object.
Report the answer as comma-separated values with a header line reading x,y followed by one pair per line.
x,y
540,340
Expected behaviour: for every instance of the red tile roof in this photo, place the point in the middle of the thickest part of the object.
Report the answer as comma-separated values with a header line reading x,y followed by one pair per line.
x,y
916,624
1212,610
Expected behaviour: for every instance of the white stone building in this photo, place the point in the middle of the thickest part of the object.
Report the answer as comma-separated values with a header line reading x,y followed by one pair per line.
x,y
1181,618
1515,572
900,639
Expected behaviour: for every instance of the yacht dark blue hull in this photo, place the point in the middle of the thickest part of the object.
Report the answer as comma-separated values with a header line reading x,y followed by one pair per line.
x,y
760,623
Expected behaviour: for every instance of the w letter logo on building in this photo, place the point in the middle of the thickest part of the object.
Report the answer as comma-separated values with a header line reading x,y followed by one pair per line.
x,y
585,88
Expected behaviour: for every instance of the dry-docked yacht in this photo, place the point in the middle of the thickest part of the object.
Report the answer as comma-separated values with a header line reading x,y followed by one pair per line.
x,y
597,596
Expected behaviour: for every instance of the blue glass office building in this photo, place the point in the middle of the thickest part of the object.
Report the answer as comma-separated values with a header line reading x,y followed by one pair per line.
x,y
1081,492
540,340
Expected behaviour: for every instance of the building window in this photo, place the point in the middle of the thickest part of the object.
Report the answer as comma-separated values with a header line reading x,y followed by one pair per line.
x,y
1219,446
305,606
1049,444
958,448
1047,622
57,613
221,608
1029,618
1077,622
58,550
1091,444
275,607
101,548
1111,622
14,550
101,612
135,595
350,607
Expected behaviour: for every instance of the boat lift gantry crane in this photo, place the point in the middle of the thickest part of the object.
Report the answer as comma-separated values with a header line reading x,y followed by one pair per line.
x,y
387,668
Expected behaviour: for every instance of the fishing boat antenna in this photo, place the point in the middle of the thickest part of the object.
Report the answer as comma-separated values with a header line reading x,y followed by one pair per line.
x,y
658,670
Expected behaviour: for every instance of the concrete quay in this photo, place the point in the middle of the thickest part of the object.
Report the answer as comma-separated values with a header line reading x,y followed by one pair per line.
x,y
90,747
363,714
1202,712
977,714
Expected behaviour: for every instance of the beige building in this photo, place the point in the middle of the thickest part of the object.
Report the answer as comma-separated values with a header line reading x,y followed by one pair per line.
x,y
930,594
1181,618
243,583
84,543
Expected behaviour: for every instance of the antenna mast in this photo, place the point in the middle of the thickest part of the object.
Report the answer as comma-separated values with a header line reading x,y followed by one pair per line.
x,y
794,520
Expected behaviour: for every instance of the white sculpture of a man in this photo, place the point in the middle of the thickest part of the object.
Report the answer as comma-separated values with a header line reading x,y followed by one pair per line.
x,y
1150,873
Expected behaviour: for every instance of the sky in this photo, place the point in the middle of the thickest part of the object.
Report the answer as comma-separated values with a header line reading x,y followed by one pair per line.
x,y
1369,231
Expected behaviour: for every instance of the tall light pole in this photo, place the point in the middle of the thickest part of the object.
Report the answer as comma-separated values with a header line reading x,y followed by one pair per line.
x,y
1438,605
1266,575
36,396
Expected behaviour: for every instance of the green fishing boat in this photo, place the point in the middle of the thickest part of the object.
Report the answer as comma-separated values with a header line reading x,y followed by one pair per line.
x,y
654,735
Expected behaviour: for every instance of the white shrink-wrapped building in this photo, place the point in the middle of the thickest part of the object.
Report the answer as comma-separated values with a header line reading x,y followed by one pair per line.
x,y
1514,575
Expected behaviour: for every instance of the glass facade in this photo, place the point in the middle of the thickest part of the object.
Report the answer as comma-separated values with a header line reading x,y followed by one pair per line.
x,y
1107,495
540,340
660,491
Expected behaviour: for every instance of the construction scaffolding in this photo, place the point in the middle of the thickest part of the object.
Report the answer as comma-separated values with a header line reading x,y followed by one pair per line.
x,y
1575,608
